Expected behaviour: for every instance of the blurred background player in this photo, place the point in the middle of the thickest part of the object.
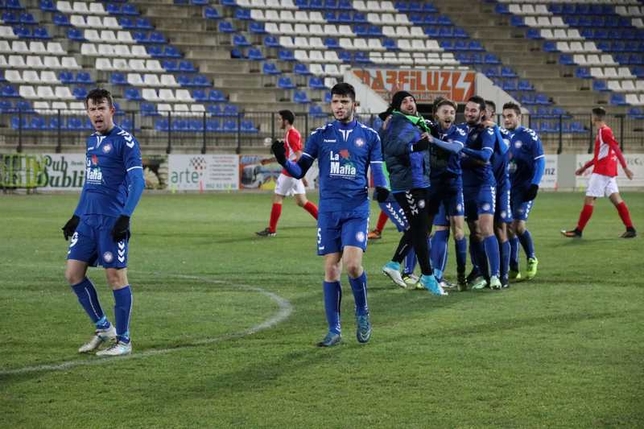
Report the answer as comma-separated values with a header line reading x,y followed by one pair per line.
x,y
602,181
527,165
446,177
376,233
100,227
479,192
345,149
286,185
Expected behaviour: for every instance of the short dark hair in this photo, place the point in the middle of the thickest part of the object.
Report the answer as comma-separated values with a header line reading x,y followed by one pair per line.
x,y
600,112
478,100
344,88
99,94
492,104
287,115
514,106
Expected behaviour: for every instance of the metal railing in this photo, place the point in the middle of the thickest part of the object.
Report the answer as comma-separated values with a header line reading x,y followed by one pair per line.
x,y
168,132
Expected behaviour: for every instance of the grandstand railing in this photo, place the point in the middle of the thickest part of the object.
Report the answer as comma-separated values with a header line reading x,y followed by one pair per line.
x,y
65,131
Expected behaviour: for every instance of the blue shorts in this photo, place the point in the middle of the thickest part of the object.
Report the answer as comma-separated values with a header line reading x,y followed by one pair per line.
x,y
478,201
520,209
452,206
93,243
395,213
503,211
339,229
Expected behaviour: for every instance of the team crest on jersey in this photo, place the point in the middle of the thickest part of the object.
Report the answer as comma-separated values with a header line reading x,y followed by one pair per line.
x,y
107,148
360,236
359,142
518,144
108,257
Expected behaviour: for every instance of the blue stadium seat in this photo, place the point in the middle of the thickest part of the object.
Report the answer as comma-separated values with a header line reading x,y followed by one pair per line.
x,y
242,14
216,95
225,27
247,126
200,95
255,54
66,77
361,57
143,24
600,85
230,126
269,68
345,56
237,53
213,125
48,6
286,55
301,97
301,69
525,85
316,82
84,77
133,94
117,78
533,34
149,109
61,20
230,110
211,13
316,111
24,106
27,19
186,66
170,65
79,92
271,42
214,109
162,124
582,73
332,42
129,9
257,28
502,8
285,82
9,91
6,106
542,99
618,100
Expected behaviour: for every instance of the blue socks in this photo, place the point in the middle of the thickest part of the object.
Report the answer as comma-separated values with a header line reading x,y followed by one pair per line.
x,y
122,309
359,289
461,254
88,299
332,298
527,244
438,251
492,250
514,254
410,262
505,261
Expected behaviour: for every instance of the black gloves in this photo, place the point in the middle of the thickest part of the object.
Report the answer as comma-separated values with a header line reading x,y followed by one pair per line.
x,y
422,144
121,229
70,227
531,193
279,151
381,194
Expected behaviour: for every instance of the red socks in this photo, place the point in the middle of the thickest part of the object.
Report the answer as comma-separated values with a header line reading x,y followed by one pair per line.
x,y
622,209
276,212
382,220
311,208
584,216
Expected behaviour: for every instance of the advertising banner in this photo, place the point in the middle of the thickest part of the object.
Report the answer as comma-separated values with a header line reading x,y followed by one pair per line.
x,y
635,162
62,171
203,172
549,179
257,173
425,85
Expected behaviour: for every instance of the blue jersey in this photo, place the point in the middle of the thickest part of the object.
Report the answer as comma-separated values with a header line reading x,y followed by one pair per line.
x,y
477,172
447,165
108,159
501,159
344,153
525,148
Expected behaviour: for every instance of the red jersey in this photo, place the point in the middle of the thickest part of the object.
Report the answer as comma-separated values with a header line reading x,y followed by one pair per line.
x,y
606,153
293,141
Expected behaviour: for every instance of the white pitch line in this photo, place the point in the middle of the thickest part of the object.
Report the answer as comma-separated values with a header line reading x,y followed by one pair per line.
x,y
284,311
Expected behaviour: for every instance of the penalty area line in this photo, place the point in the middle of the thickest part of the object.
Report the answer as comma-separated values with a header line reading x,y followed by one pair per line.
x,y
285,309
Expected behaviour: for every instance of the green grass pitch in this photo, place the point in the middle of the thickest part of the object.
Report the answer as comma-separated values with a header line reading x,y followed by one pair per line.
x,y
224,326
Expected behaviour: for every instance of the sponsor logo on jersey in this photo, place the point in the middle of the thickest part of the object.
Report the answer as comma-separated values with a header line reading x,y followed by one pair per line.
x,y
341,164
93,174
330,140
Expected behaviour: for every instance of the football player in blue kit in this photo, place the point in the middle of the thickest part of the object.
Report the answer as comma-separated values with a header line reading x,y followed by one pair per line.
x,y
446,176
99,230
503,211
479,192
345,149
527,165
